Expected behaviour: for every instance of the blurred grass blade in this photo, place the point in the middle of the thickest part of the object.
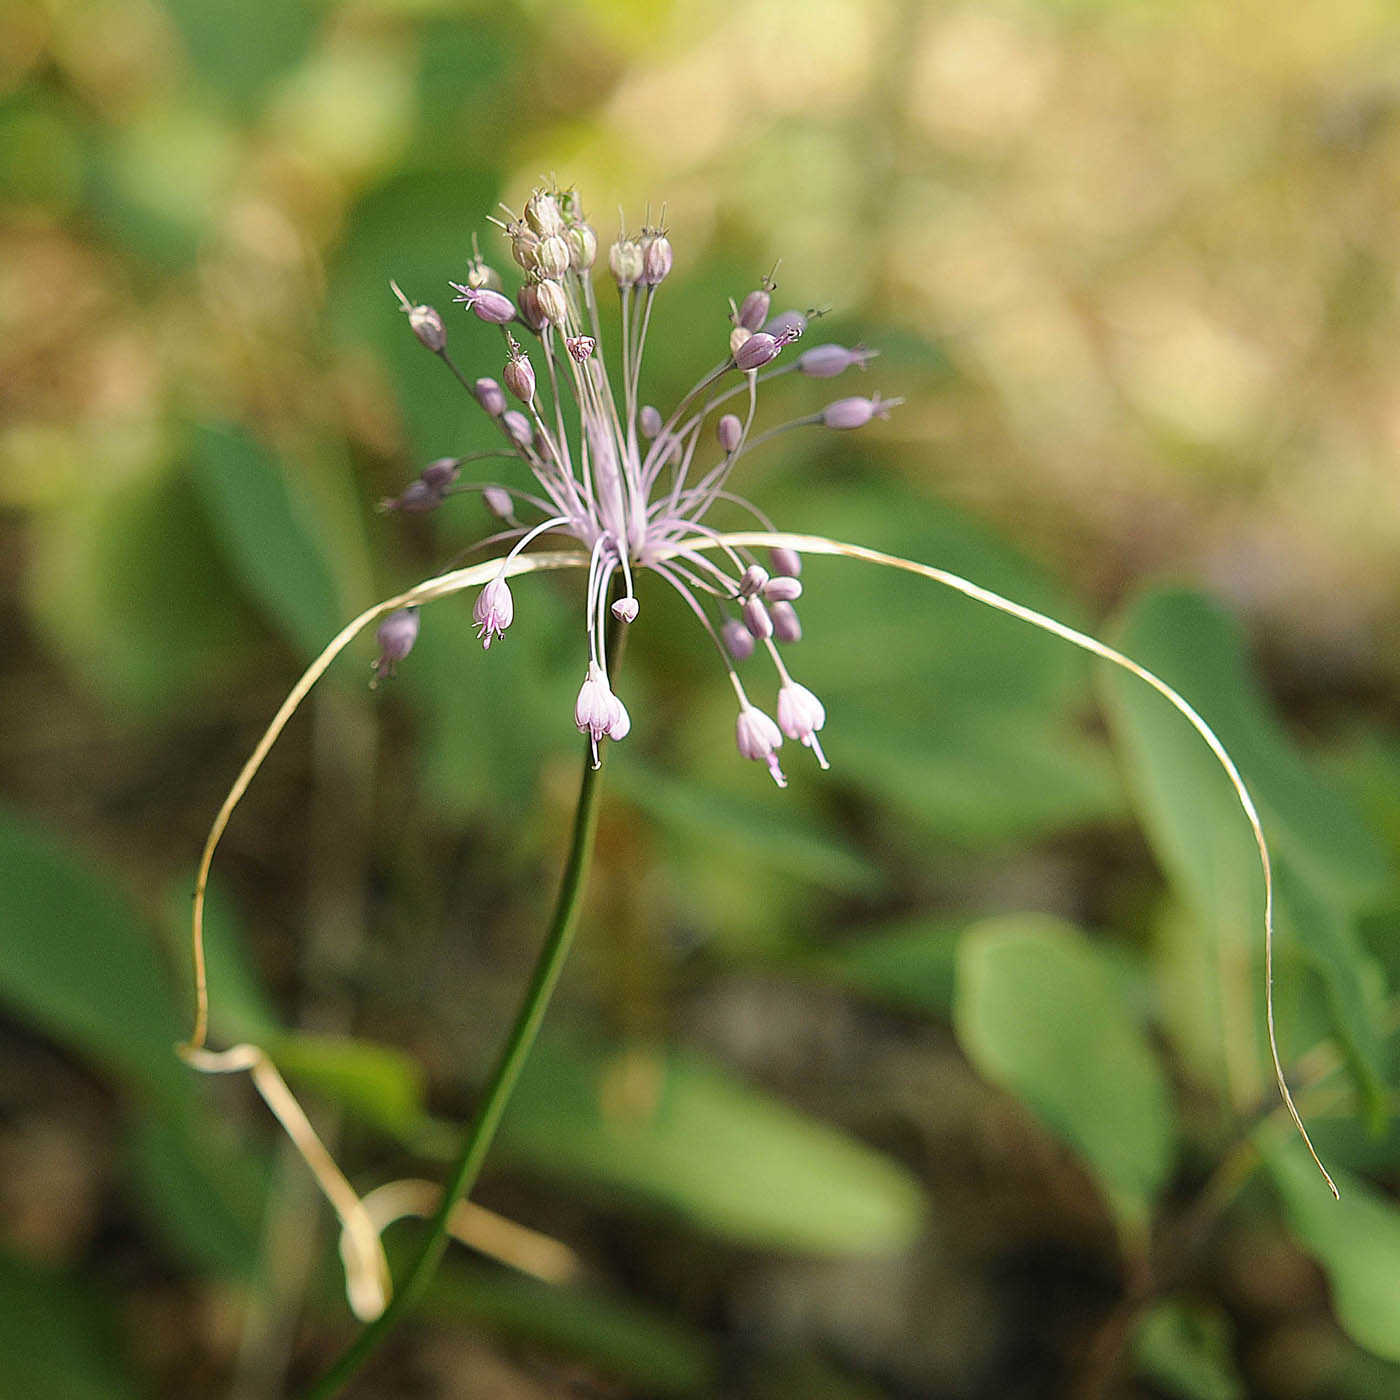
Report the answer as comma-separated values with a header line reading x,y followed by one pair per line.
x,y
1183,1348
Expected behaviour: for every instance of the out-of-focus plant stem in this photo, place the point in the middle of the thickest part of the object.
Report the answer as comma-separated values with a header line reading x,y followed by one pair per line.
x,y
505,1074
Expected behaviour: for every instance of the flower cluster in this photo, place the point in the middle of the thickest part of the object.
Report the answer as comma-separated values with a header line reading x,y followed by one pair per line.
x,y
634,489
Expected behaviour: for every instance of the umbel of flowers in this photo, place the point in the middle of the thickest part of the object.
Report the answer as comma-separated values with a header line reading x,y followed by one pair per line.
x,y
632,484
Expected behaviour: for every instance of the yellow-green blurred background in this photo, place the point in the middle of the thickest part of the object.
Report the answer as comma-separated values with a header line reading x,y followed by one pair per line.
x,y
1132,266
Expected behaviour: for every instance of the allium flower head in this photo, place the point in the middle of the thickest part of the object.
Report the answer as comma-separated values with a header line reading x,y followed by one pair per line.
x,y
634,485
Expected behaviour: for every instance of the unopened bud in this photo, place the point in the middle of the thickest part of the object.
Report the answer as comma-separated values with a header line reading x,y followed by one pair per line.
x,y
495,308
738,640
756,351
440,473
785,561
827,361
583,246
417,498
782,589
788,325
753,310
730,432
518,426
531,312
856,412
752,580
786,625
756,618
625,262
396,636
423,321
523,241
626,609
543,214
649,420
552,257
498,502
656,259
488,394
553,303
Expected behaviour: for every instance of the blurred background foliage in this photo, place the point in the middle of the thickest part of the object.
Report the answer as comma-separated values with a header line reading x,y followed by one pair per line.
x,y
941,1074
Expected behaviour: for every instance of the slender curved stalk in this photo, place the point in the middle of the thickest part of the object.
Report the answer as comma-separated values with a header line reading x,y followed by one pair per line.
x,y
504,1076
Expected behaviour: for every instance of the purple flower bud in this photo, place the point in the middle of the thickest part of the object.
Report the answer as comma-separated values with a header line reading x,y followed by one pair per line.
x,y
498,502
787,326
753,310
396,636
649,420
441,472
626,609
785,561
495,308
786,626
552,256
518,426
598,712
531,312
756,351
751,581
738,640
625,262
760,739
756,618
489,396
856,412
417,498
493,611
553,303
827,361
730,432
783,589
656,259
800,715
519,374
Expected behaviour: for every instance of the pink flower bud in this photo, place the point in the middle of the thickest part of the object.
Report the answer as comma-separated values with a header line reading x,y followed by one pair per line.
x,y
440,473
493,611
786,626
417,498
396,636
531,312
498,502
519,374
787,326
518,426
753,310
752,580
782,589
856,412
759,738
649,421
827,361
756,351
488,394
738,640
756,618
625,262
656,259
495,308
800,715
423,321
626,609
553,303
785,561
730,432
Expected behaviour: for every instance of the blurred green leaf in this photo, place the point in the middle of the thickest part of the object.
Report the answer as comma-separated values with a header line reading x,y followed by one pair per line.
x,y
57,1338
632,1343
721,1154
239,49
1328,866
782,842
268,536
1039,1011
1183,1348
1356,1241
202,1187
376,1083
79,964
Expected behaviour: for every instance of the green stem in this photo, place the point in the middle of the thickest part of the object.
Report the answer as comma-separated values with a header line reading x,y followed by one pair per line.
x,y
490,1110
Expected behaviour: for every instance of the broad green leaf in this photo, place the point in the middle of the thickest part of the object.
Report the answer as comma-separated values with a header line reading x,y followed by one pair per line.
x,y
1039,1011
79,964
1328,866
269,536
377,1083
691,812
203,1188
1356,1241
636,1345
58,1338
719,1153
1183,1348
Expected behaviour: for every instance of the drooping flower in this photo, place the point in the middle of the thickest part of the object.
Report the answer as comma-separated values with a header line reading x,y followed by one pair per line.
x,y
633,485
